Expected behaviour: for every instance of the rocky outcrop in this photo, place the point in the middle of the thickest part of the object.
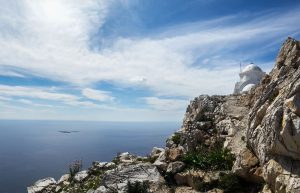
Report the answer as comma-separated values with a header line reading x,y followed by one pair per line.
x,y
108,177
118,178
46,185
273,131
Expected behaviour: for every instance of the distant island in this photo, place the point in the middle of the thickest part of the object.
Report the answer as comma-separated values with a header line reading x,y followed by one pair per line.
x,y
66,131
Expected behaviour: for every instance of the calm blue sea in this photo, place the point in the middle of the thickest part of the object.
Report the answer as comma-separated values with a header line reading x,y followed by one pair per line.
x,y
30,150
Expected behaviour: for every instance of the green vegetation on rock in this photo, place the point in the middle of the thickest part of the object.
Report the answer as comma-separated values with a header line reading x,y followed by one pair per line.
x,y
176,138
75,167
216,159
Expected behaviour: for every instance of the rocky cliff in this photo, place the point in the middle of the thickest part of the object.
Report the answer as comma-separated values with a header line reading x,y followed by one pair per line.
x,y
235,143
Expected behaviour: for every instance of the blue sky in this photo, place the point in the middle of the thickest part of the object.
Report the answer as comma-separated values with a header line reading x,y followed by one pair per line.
x,y
131,60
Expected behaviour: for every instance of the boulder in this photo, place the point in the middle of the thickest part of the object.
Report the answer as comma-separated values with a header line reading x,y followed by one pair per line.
x,y
40,185
160,162
161,165
103,165
247,166
126,157
81,176
156,151
63,178
175,167
117,178
174,154
190,177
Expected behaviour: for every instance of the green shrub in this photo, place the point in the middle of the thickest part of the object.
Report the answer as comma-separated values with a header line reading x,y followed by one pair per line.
x,y
75,167
216,159
176,138
137,187
151,159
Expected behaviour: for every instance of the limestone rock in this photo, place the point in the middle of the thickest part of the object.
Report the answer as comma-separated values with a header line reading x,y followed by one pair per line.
x,y
63,178
103,165
247,166
41,185
156,151
161,165
273,127
190,177
81,176
101,189
185,189
175,167
126,157
160,162
174,154
117,178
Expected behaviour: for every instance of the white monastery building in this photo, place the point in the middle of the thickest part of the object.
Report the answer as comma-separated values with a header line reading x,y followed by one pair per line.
x,y
249,77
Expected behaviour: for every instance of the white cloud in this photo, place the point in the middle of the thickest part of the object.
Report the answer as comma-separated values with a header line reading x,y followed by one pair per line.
x,y
25,101
28,96
11,74
33,92
166,104
98,95
168,65
5,98
50,38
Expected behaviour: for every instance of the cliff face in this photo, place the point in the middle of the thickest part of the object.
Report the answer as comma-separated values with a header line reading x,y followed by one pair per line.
x,y
273,131
261,130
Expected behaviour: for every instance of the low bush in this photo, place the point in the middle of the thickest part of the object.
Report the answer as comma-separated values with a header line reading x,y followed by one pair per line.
x,y
176,138
217,158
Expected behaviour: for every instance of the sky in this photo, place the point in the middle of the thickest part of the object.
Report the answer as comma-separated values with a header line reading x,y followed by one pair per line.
x,y
131,60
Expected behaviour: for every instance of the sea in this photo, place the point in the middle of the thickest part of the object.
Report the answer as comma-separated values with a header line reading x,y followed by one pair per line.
x,y
31,150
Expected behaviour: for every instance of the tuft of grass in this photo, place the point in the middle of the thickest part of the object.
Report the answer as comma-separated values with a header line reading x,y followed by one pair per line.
x,y
137,187
176,138
217,158
75,167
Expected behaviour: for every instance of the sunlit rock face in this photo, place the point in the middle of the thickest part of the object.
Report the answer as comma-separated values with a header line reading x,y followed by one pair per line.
x,y
249,77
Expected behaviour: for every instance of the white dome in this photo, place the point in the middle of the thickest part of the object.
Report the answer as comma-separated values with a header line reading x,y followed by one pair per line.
x,y
251,67
248,87
249,77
